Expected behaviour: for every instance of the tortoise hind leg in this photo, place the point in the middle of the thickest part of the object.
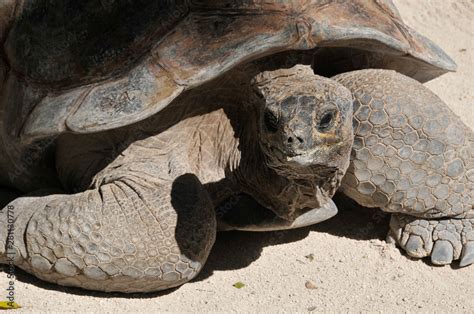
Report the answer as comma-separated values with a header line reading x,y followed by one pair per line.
x,y
413,156
136,231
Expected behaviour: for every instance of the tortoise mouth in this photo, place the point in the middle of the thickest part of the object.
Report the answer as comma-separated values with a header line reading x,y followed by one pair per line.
x,y
294,158
307,165
296,163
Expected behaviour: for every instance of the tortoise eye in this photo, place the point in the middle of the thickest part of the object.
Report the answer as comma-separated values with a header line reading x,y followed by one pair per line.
x,y
326,122
271,121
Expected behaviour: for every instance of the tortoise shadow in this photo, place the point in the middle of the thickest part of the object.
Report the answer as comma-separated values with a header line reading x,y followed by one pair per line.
x,y
236,249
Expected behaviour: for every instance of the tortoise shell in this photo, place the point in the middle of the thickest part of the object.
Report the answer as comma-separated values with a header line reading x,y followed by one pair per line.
x,y
87,66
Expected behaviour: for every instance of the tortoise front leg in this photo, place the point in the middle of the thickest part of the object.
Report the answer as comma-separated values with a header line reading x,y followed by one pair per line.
x,y
138,230
412,155
444,240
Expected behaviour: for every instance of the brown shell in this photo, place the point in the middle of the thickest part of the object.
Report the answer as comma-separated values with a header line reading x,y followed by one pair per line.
x,y
82,66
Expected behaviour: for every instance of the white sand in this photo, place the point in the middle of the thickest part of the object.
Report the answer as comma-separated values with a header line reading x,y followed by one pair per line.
x,y
354,269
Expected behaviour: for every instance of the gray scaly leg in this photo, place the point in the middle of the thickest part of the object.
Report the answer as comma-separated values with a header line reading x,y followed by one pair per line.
x,y
136,230
412,155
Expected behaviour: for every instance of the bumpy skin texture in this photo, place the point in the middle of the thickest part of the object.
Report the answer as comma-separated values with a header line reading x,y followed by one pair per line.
x,y
144,216
145,224
412,155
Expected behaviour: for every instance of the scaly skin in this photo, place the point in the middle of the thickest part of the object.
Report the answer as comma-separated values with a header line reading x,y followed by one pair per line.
x,y
444,239
412,155
143,218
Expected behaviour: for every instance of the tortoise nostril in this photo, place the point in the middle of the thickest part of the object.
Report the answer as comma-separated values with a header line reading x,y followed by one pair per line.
x,y
292,139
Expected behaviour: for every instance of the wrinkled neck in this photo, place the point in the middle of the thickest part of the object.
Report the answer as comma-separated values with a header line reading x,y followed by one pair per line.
x,y
286,192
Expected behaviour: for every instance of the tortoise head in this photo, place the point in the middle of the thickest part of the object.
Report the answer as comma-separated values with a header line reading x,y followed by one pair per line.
x,y
305,122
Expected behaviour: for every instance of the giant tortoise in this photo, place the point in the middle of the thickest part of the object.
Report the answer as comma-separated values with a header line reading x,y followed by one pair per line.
x,y
131,131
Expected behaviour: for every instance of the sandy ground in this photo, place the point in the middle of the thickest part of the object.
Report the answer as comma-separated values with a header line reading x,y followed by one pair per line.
x,y
353,268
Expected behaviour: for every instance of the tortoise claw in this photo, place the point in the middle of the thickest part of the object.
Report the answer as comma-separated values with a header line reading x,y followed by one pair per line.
x,y
442,253
467,257
415,247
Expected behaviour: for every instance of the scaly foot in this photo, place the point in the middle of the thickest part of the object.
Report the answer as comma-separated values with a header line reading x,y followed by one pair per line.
x,y
444,240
